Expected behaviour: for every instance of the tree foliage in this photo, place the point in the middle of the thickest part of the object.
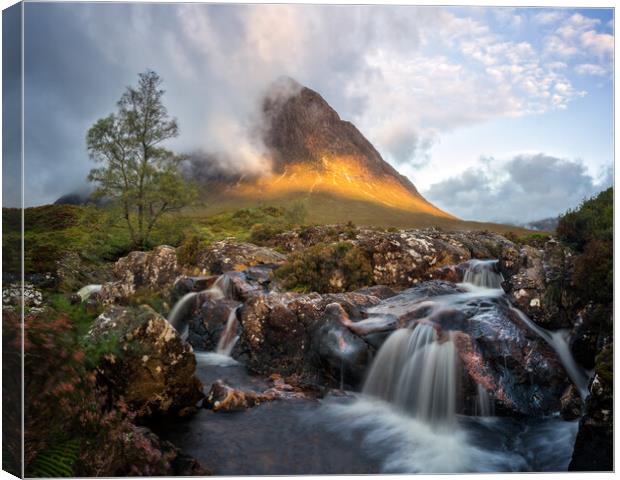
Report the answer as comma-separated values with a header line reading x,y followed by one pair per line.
x,y
137,170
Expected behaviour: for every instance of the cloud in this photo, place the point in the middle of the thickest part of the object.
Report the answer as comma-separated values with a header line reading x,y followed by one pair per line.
x,y
525,188
590,69
404,75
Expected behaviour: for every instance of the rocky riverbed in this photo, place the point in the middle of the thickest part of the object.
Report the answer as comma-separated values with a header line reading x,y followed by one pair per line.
x,y
253,373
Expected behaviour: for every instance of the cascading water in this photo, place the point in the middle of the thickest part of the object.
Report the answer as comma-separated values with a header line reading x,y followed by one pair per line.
x,y
559,342
482,273
416,372
221,288
229,336
484,403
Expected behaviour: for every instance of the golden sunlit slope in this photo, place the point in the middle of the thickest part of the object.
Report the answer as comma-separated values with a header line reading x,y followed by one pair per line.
x,y
325,162
342,176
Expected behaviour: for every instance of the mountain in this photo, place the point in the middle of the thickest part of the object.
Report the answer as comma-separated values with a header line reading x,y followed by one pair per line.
x,y
325,162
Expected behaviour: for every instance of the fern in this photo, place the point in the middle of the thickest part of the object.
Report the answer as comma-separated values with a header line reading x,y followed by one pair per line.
x,y
57,461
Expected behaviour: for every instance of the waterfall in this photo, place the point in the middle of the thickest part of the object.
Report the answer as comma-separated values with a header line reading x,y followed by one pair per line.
x,y
229,336
180,311
482,273
417,372
484,403
558,341
221,288
85,292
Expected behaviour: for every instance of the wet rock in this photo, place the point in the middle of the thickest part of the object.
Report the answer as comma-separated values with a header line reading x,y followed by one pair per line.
x,y
500,353
570,404
281,331
206,327
187,284
344,355
594,443
148,365
380,291
230,255
224,398
541,286
155,270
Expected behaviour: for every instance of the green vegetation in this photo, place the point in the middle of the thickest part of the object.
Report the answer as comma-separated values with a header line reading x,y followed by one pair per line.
x,y
594,219
589,229
96,234
326,268
137,172
537,239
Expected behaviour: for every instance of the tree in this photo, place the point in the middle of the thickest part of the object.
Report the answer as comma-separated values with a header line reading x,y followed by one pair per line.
x,y
138,172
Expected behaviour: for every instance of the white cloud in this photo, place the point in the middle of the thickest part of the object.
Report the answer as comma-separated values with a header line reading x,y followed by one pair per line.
x,y
525,188
590,69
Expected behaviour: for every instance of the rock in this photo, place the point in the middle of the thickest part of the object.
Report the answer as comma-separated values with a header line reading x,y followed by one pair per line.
x,y
380,291
207,326
588,334
154,369
281,331
541,286
12,296
224,398
570,404
229,255
145,454
594,443
72,273
155,270
407,257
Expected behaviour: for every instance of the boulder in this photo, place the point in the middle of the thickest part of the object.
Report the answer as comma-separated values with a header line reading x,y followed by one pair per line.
x,y
230,255
541,286
12,296
594,443
155,271
149,366
225,398
282,332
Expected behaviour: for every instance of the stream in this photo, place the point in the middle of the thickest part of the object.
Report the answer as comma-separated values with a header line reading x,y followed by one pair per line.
x,y
408,416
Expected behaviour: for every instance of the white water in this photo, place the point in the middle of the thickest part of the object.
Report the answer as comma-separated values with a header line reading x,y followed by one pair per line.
x,y
558,340
416,372
229,336
221,288
484,403
405,444
482,273
180,311
85,292
409,397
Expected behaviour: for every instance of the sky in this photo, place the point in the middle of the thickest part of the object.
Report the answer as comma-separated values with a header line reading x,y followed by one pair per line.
x,y
495,113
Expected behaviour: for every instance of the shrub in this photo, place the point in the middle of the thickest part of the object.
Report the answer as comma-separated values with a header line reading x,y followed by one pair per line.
x,y
187,253
536,240
592,220
326,268
593,276
263,233
72,428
